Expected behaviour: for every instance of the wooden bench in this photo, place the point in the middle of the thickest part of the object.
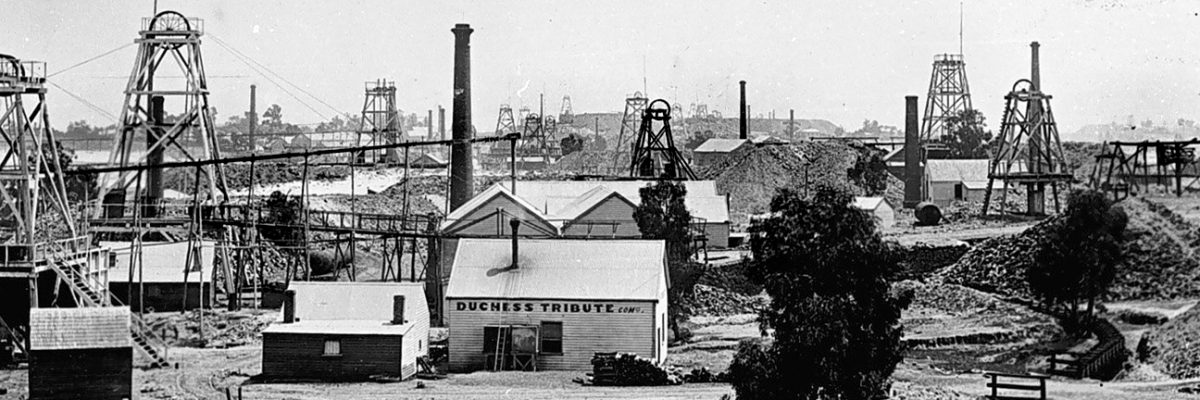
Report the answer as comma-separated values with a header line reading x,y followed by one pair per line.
x,y
1016,382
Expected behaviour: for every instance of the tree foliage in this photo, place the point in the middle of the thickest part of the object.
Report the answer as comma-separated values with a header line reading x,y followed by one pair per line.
x,y
282,210
663,215
967,137
1076,262
869,171
834,316
570,144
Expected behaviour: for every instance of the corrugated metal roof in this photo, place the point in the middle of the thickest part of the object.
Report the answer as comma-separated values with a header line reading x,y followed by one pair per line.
x,y
161,262
559,269
981,185
350,301
551,196
956,170
719,145
869,203
79,328
487,195
353,327
590,199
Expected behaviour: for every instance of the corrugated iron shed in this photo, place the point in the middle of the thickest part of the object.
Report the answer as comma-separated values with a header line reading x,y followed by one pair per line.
x,y
559,269
79,328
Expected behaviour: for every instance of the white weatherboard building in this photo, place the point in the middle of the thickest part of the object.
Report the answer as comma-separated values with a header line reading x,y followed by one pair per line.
x,y
564,301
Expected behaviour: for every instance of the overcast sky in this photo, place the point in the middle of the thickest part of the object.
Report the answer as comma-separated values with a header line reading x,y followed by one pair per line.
x,y
839,60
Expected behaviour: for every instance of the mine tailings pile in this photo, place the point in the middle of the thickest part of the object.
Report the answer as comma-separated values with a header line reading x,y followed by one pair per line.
x,y
752,174
1160,258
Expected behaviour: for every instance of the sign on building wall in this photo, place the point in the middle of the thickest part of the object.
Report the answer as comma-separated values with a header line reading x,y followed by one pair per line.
x,y
547,307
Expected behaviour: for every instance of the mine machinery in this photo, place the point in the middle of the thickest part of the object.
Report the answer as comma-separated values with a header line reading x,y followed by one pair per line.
x,y
1128,168
1029,152
654,153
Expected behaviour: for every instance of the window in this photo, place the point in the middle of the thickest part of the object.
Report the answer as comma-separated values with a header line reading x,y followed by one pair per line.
x,y
333,347
551,337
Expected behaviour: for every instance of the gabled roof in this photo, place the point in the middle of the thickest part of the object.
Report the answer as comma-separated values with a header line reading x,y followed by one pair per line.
x,y
869,203
78,328
355,301
719,145
457,217
161,262
428,159
587,202
559,269
550,197
956,170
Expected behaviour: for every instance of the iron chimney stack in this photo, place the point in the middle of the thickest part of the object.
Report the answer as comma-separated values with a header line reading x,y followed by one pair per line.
x,y
912,154
462,179
1035,75
398,309
744,122
515,224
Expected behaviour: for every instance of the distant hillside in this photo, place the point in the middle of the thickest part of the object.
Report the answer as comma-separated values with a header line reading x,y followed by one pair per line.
x,y
1131,132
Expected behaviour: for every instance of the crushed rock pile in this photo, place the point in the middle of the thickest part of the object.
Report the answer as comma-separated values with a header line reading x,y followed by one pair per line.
x,y
910,391
752,174
714,301
1159,248
222,328
1174,347
955,299
590,162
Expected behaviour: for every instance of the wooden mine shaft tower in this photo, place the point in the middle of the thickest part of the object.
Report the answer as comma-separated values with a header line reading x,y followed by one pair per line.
x,y
1029,151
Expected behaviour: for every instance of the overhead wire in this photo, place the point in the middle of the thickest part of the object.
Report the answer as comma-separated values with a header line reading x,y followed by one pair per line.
x,y
81,63
84,101
285,80
234,53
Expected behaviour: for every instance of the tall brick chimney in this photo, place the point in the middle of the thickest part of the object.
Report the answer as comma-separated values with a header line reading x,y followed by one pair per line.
x,y
462,178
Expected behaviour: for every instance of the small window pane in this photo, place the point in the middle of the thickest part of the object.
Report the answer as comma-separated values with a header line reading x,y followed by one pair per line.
x,y
551,334
333,347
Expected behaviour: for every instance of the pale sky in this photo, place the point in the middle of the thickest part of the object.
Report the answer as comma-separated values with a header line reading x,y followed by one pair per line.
x,y
838,60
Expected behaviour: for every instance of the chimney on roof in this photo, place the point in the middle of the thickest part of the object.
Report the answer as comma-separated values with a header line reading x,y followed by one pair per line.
x,y
743,123
289,306
515,224
398,309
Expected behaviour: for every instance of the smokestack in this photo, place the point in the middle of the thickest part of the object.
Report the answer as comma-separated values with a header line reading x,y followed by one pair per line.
x,y
912,154
429,121
792,122
515,224
154,177
1035,75
462,184
442,122
253,116
744,125
289,306
397,309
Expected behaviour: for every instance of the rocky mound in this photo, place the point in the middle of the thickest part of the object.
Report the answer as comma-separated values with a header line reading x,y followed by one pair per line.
x,y
942,313
1174,347
1159,262
714,301
221,328
752,174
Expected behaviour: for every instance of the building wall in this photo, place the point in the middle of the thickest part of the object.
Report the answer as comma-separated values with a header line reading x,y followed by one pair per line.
x,y
885,215
99,374
162,296
942,193
718,234
705,159
291,355
611,209
584,333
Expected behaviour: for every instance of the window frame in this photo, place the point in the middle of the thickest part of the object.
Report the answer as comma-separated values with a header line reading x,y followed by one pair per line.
x,y
542,339
325,347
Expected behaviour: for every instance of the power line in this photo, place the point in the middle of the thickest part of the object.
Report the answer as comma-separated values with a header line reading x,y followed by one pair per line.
x,y
285,80
268,78
85,102
90,60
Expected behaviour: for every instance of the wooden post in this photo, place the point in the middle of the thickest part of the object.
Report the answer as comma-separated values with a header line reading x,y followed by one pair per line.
x,y
304,214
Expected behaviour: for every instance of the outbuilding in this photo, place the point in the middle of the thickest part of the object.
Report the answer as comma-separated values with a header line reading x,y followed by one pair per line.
x,y
340,331
880,208
80,353
163,283
947,181
551,304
